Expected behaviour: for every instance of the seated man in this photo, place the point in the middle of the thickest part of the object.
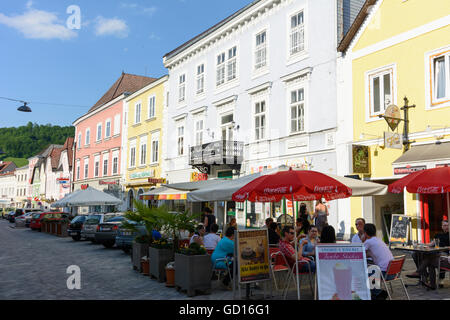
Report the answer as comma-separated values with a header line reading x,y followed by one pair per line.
x,y
212,239
427,262
359,237
268,222
289,252
224,248
380,253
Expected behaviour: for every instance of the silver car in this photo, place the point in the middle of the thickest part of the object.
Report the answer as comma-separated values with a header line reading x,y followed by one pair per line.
x,y
23,220
92,221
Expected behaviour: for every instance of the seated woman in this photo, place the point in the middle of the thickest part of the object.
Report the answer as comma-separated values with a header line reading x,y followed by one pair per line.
x,y
328,235
289,252
274,237
198,235
224,248
309,250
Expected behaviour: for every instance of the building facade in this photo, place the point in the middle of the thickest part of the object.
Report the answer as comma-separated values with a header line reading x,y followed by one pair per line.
x,y
21,196
256,91
386,62
98,139
144,131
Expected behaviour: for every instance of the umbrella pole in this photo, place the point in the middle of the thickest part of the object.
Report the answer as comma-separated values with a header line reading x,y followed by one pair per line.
x,y
296,254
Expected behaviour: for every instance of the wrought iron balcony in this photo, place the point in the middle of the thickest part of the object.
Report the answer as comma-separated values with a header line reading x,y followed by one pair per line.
x,y
217,153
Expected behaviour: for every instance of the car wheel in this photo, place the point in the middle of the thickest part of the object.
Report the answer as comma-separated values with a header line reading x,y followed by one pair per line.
x,y
93,241
109,244
76,238
126,250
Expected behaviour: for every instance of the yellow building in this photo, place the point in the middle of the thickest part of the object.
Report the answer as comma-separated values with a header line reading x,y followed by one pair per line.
x,y
397,49
143,145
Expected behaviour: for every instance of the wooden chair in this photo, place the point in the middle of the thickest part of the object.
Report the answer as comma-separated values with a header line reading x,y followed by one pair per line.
x,y
394,269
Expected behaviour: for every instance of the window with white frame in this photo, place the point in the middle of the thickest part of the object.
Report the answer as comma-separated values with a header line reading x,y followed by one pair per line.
x,y
79,140
180,142
99,132
96,166
199,132
380,91
151,106
297,108
220,75
132,156
143,152
78,169
182,88
200,79
108,128
227,126
231,64
86,168
137,113
115,167
155,147
88,133
440,78
297,34
260,50
260,120
105,164
117,124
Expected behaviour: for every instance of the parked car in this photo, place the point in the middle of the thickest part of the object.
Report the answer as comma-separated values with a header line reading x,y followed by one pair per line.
x,y
92,221
37,217
125,237
106,232
6,213
24,220
75,227
19,212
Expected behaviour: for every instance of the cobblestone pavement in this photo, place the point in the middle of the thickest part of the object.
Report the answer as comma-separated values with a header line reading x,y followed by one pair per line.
x,y
33,266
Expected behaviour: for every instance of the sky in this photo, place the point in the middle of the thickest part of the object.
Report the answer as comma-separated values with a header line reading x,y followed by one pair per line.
x,y
62,71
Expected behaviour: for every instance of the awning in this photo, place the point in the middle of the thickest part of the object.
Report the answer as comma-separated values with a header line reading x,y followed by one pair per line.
x,y
164,193
361,188
426,153
195,185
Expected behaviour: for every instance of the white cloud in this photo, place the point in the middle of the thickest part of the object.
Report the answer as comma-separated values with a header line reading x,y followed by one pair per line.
x,y
111,27
29,4
38,24
153,36
138,8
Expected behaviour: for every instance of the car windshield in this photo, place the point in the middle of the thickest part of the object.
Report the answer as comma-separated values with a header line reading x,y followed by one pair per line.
x,y
36,215
94,219
78,219
114,219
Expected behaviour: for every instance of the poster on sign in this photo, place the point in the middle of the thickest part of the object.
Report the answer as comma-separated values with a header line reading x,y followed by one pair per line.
x,y
342,272
253,253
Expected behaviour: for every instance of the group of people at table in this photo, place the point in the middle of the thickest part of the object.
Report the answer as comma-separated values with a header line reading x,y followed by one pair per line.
x,y
309,235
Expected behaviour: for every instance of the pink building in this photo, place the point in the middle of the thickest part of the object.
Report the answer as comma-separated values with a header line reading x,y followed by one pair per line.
x,y
98,138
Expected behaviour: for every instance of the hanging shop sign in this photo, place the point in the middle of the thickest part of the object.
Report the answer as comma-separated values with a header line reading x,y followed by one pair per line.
x,y
393,140
198,176
63,180
392,116
84,186
408,169
253,252
360,159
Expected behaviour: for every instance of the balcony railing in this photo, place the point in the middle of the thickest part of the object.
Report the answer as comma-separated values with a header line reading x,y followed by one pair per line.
x,y
217,153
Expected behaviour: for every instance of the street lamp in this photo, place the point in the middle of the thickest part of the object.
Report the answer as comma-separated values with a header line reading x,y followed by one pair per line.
x,y
24,108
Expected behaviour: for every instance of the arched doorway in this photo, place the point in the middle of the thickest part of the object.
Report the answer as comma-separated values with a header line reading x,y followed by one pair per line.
x,y
130,199
139,194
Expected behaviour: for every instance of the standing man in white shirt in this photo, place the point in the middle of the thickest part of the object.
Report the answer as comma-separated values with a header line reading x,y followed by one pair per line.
x,y
359,237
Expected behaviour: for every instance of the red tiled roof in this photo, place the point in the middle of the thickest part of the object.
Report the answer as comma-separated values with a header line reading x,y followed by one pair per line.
x,y
54,157
5,166
126,83
68,145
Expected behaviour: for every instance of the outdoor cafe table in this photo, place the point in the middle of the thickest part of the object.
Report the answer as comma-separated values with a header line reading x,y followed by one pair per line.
x,y
423,250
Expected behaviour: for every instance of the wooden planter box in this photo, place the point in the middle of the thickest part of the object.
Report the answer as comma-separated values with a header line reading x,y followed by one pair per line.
x,y
43,227
62,229
58,229
159,258
53,227
48,227
193,273
139,250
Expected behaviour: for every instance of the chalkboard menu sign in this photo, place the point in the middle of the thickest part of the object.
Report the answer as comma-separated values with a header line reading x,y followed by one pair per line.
x,y
399,229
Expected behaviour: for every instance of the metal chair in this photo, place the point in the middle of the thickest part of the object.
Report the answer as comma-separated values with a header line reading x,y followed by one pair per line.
x,y
278,264
394,269
442,269
219,271
292,275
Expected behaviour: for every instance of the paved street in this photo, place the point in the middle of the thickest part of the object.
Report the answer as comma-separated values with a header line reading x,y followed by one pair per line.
x,y
33,266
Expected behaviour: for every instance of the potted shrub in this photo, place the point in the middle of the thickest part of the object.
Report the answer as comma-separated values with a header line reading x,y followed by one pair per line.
x,y
193,269
160,254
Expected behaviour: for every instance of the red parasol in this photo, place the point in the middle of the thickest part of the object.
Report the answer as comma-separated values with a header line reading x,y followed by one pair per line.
x,y
301,185
430,181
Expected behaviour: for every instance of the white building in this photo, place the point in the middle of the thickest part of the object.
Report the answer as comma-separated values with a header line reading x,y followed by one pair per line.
x,y
7,189
21,195
263,81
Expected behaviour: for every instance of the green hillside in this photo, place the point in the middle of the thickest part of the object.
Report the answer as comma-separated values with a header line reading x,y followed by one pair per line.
x,y
26,141
20,162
